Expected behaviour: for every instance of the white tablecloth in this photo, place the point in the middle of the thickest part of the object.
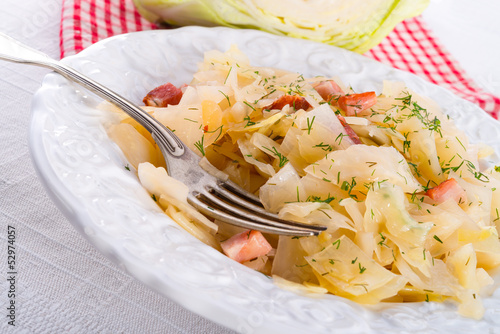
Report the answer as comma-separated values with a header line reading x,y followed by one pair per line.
x,y
63,284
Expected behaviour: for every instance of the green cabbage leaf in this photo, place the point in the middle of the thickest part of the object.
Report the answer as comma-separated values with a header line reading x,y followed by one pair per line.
x,y
356,25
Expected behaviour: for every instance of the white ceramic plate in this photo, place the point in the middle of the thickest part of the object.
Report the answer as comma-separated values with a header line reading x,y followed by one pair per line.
x,y
85,175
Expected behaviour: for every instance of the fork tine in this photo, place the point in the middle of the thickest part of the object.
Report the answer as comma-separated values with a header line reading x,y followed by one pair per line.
x,y
247,209
216,208
221,215
233,220
235,189
221,191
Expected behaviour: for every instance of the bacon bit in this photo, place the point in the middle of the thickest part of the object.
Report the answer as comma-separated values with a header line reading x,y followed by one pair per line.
x,y
449,189
329,90
163,96
246,246
354,104
353,135
297,102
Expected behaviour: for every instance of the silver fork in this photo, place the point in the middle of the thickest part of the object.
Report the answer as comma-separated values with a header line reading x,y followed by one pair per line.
x,y
214,196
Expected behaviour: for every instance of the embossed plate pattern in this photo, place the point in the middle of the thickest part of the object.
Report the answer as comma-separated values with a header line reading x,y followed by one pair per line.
x,y
84,173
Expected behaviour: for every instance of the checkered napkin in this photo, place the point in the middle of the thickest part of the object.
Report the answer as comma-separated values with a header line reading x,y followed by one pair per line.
x,y
411,46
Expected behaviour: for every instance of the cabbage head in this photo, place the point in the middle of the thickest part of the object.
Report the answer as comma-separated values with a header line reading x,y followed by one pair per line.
x,y
356,25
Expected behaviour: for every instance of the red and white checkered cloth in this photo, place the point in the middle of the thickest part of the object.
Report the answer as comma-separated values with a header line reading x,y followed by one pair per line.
x,y
411,46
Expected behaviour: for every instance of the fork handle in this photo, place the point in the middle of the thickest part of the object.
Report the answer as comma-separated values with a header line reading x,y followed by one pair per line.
x,y
14,51
163,136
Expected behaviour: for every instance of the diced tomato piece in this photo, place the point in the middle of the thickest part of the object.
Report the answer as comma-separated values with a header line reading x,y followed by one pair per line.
x,y
163,96
353,135
354,104
329,90
297,102
246,246
449,189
